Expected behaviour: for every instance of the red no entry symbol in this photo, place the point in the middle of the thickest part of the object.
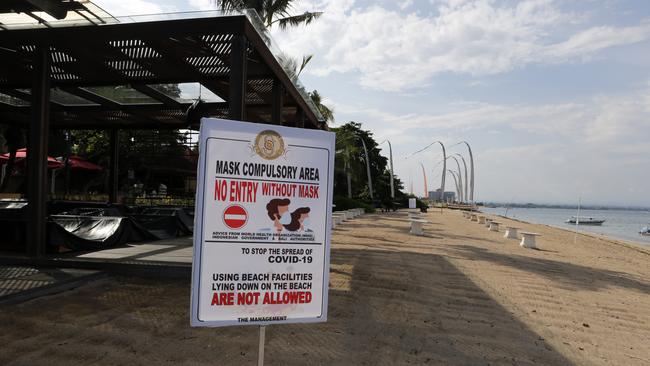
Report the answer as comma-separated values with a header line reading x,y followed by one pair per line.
x,y
235,216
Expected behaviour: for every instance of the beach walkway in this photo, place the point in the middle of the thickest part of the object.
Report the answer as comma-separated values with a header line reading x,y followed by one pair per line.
x,y
460,295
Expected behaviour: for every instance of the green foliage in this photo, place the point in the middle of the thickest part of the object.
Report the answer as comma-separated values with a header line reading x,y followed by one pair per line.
x,y
325,111
270,11
155,156
136,146
279,12
350,159
343,203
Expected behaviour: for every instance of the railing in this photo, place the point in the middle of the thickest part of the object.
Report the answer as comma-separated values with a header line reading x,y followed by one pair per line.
x,y
158,201
79,197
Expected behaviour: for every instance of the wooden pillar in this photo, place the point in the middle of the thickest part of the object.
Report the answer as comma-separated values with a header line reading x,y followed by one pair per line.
x,y
277,97
37,154
114,165
237,88
300,118
68,153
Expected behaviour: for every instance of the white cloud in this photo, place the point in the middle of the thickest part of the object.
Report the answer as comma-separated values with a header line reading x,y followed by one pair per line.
x,y
601,119
390,50
130,7
596,148
203,4
595,39
405,4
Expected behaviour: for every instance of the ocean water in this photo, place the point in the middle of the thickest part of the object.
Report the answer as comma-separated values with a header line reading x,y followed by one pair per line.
x,y
619,224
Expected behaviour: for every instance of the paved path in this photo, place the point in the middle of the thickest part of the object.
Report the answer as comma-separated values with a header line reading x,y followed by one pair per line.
x,y
22,283
177,250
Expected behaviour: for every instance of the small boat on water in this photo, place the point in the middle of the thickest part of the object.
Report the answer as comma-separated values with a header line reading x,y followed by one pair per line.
x,y
580,220
645,231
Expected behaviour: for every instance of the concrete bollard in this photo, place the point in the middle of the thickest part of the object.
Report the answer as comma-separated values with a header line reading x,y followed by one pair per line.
x,y
511,233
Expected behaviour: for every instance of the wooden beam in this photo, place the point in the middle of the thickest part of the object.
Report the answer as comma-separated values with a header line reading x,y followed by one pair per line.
x,y
53,8
93,97
172,52
37,153
300,118
157,95
142,30
139,115
276,108
114,165
237,94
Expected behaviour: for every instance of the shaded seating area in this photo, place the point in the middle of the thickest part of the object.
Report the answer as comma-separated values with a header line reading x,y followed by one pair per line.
x,y
85,233
87,226
165,223
53,77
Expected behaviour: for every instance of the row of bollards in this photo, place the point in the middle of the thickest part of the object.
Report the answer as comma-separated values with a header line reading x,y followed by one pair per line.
x,y
338,217
527,238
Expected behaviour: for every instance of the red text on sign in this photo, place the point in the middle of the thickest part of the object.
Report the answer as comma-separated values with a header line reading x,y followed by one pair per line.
x,y
235,190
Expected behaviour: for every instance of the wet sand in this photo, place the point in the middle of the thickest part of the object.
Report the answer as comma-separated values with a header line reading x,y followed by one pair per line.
x,y
460,295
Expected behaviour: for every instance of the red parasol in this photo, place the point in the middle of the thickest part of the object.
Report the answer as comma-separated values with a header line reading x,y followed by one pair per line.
x,y
77,162
21,154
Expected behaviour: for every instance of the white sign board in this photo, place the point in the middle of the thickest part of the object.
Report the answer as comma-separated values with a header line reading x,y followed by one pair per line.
x,y
412,203
262,224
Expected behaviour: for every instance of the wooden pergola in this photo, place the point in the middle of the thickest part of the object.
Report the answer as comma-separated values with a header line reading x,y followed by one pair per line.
x,y
226,54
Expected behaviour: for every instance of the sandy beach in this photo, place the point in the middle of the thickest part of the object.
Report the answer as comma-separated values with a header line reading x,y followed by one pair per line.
x,y
460,295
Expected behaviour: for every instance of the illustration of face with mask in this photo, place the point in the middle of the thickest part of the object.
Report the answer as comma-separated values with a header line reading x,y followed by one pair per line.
x,y
299,219
278,211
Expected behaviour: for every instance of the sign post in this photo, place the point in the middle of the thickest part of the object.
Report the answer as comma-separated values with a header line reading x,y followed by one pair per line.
x,y
260,350
262,225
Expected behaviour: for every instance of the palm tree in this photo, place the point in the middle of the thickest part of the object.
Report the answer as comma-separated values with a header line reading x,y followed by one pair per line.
x,y
290,65
270,11
324,110
348,151
293,70
279,12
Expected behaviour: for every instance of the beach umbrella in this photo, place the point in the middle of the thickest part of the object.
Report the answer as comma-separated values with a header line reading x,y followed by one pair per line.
x,y
21,155
77,162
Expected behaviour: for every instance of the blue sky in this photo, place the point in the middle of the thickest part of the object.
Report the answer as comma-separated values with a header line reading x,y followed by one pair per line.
x,y
553,95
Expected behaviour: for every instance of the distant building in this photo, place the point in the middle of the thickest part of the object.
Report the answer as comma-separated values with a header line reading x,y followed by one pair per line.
x,y
448,197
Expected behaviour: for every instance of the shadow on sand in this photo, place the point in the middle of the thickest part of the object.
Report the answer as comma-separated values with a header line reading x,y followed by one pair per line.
x,y
410,308
385,308
570,275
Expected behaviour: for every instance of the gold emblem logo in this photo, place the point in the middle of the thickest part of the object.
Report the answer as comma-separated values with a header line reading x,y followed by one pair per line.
x,y
269,145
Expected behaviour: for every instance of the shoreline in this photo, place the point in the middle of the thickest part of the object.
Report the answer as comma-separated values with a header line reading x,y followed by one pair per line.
x,y
645,247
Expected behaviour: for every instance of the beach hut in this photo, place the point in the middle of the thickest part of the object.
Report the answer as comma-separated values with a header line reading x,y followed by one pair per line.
x,y
54,73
